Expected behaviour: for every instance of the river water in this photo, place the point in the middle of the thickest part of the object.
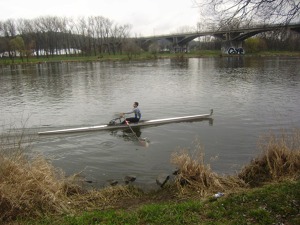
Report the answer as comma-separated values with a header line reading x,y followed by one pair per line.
x,y
250,97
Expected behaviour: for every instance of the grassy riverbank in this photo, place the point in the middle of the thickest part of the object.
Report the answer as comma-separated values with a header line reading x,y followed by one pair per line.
x,y
140,56
266,191
107,57
272,204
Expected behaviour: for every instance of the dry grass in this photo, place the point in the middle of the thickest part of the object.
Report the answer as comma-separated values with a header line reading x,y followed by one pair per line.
x,y
105,198
195,175
35,188
280,159
31,187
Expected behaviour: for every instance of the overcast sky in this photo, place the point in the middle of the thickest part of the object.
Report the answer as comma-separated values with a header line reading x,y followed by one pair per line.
x,y
147,17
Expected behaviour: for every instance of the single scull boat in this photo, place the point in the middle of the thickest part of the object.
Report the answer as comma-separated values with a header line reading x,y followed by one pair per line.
x,y
142,123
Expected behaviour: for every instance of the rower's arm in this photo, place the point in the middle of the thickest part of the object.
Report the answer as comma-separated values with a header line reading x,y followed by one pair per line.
x,y
128,112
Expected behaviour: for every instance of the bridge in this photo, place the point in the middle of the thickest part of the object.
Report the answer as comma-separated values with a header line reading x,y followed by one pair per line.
x,y
231,38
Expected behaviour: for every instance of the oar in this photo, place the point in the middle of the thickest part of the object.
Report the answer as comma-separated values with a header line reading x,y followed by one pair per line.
x,y
142,142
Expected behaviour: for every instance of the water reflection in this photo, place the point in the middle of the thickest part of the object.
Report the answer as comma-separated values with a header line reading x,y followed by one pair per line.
x,y
179,62
127,134
231,62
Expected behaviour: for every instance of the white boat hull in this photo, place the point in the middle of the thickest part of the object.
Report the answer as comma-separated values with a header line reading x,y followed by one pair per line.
x,y
121,126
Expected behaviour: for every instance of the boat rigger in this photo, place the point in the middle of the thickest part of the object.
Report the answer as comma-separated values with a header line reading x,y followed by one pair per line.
x,y
142,123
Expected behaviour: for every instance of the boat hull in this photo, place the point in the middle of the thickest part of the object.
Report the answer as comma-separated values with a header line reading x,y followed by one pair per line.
x,y
124,126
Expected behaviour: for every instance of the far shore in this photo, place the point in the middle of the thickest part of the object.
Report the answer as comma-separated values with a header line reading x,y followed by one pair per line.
x,y
140,57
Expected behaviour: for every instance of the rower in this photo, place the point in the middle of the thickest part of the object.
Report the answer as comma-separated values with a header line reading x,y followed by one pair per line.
x,y
137,114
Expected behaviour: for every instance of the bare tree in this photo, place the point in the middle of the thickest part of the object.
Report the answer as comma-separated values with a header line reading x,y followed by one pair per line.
x,y
130,48
75,35
9,27
92,33
262,11
83,32
1,29
119,34
99,20
107,34
65,42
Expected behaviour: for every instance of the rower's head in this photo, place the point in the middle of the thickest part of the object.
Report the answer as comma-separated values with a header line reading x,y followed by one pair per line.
x,y
135,104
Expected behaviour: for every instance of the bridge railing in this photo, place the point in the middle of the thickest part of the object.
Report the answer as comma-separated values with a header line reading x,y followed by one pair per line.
x,y
220,30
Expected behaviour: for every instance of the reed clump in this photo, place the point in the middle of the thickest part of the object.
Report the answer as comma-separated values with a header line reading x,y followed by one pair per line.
x,y
32,188
29,185
195,175
280,159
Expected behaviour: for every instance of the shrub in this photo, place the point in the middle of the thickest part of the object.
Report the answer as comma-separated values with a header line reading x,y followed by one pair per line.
x,y
196,175
280,159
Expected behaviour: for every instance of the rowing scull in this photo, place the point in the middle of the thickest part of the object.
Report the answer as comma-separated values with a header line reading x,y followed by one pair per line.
x,y
142,123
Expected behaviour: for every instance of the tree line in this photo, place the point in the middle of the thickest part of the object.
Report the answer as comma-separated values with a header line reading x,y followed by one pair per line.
x,y
52,35
96,35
